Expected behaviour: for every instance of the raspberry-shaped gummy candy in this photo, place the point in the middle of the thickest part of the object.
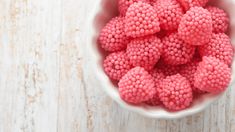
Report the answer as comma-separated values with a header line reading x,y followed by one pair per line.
x,y
141,20
144,51
175,92
219,47
116,65
196,26
220,19
112,36
137,86
187,4
169,13
176,51
212,75
123,5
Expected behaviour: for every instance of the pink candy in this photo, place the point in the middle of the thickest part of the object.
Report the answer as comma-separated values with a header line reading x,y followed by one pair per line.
x,y
176,51
141,20
187,4
175,92
196,26
219,47
137,86
220,19
112,37
169,13
117,65
212,75
145,51
123,5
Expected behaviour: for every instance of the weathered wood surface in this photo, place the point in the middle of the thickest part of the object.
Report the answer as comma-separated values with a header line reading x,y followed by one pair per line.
x,y
45,86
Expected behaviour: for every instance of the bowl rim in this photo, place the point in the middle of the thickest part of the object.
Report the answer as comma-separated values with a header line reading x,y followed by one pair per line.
x,y
97,70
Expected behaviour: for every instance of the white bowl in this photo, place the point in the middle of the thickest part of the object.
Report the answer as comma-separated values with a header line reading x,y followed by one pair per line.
x,y
104,11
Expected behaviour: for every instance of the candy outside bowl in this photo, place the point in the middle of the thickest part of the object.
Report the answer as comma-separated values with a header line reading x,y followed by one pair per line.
x,y
106,9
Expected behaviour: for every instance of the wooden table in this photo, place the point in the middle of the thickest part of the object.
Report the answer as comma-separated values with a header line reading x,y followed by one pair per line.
x,y
46,87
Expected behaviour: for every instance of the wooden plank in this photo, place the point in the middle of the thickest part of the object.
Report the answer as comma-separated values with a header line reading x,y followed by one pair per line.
x,y
74,109
231,115
29,36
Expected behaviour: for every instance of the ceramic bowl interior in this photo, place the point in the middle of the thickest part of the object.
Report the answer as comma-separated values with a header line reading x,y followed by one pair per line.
x,y
104,11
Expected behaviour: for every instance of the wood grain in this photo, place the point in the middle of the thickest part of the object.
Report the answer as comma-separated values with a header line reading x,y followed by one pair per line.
x,y
46,87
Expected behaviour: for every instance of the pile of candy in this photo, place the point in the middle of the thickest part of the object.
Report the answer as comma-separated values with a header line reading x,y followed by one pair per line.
x,y
164,52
